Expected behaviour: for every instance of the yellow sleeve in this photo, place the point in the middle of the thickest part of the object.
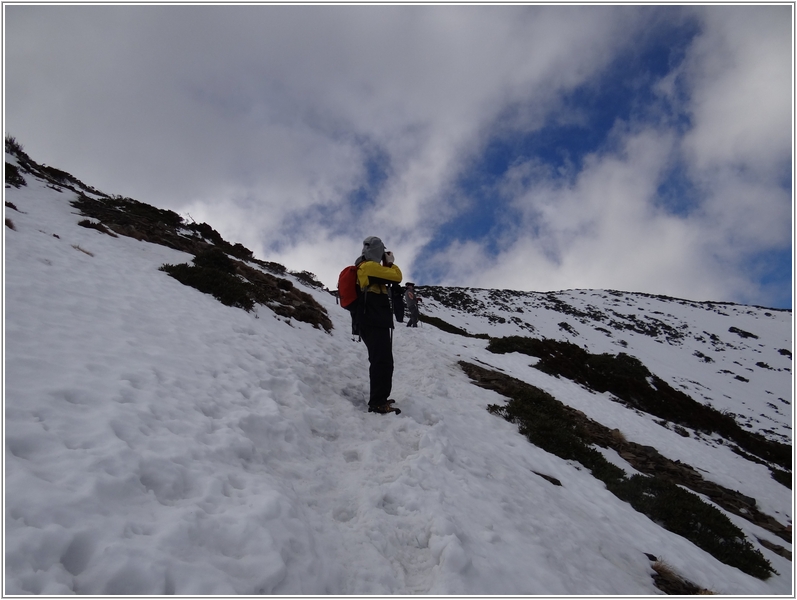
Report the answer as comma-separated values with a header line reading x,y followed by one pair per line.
x,y
371,269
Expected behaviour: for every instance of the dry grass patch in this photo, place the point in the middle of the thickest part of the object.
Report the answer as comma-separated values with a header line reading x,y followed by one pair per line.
x,y
89,224
618,436
669,582
83,250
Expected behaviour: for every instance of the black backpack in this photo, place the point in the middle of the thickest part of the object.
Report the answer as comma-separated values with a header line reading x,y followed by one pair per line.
x,y
397,301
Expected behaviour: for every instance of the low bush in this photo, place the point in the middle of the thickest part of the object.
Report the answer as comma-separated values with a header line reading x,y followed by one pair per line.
x,y
782,477
219,268
13,176
308,278
235,283
213,258
742,333
549,424
684,513
449,328
227,289
98,226
13,146
627,379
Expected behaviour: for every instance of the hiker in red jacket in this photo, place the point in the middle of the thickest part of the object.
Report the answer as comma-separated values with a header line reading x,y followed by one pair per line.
x,y
375,273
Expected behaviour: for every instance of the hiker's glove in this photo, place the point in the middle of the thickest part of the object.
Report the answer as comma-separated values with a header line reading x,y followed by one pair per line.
x,y
388,259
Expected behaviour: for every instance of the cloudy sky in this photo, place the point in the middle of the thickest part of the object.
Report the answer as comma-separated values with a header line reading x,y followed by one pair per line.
x,y
641,148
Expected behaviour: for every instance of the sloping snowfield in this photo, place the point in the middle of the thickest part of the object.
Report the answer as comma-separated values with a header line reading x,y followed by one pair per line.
x,y
158,442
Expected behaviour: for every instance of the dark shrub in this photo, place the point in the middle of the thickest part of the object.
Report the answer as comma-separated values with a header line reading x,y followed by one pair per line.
x,y
742,333
89,224
308,278
13,146
240,251
13,176
684,513
631,382
57,175
552,426
213,258
782,477
235,283
214,270
227,289
449,328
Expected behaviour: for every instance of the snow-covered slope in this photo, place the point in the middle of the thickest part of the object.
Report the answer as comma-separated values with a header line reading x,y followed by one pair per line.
x,y
159,442
736,358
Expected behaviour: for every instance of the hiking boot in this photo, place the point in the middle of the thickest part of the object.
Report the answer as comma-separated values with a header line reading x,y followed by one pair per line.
x,y
384,409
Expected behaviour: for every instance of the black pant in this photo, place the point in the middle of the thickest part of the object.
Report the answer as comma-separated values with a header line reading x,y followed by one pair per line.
x,y
380,355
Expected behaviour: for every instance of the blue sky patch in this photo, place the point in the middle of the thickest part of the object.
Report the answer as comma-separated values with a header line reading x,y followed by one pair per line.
x,y
623,92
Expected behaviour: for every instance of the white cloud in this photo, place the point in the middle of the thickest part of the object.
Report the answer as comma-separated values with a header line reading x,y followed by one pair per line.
x,y
602,227
601,231
739,77
165,102
260,120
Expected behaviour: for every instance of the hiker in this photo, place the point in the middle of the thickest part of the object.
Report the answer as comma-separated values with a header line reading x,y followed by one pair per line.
x,y
375,275
412,300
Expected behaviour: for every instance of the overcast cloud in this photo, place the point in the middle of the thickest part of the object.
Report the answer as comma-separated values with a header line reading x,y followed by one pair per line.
x,y
643,148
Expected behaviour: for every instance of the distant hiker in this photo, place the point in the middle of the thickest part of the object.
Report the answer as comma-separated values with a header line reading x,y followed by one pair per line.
x,y
411,300
376,275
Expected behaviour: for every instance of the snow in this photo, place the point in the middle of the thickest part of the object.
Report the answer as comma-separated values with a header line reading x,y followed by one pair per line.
x,y
158,442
